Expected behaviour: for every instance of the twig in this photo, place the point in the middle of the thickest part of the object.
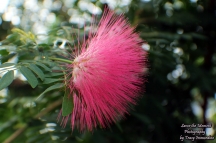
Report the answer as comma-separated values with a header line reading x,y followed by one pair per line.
x,y
42,113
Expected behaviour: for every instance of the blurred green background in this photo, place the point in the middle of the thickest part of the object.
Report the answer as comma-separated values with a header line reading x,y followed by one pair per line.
x,y
181,80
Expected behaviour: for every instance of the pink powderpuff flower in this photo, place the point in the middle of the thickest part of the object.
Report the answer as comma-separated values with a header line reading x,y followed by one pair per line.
x,y
107,75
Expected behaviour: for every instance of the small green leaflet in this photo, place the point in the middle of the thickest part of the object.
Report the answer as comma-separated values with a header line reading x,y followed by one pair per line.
x,y
37,71
49,63
6,80
67,104
6,65
54,74
119,126
142,118
32,80
51,80
53,87
43,66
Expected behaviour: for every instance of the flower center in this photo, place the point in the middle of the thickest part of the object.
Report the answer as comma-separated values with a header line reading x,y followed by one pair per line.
x,y
79,67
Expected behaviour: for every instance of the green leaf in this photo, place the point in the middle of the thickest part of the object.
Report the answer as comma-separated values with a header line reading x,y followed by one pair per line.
x,y
50,63
43,66
54,74
6,80
51,80
53,87
67,104
142,118
119,126
37,71
6,65
32,80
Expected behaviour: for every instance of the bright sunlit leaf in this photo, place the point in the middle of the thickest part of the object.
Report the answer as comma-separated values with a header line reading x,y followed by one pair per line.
x,y
6,80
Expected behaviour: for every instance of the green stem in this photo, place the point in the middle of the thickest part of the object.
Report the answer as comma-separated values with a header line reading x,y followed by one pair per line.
x,y
61,60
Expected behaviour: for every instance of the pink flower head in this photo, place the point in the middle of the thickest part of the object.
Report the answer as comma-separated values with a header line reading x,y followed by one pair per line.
x,y
107,75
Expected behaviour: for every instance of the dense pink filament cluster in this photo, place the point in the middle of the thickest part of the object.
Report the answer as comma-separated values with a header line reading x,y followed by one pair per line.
x,y
107,74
